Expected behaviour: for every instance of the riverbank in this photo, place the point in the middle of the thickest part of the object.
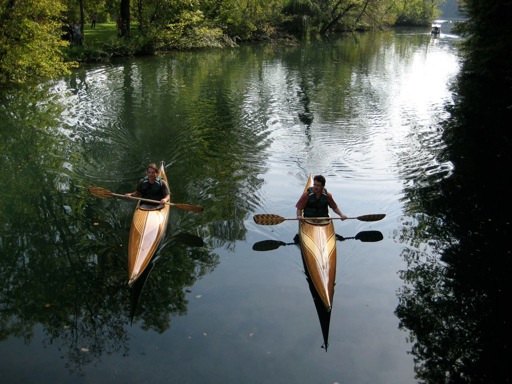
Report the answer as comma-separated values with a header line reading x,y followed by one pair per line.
x,y
103,43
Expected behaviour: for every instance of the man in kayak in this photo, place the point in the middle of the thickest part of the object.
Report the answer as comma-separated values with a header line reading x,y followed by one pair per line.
x,y
315,202
152,187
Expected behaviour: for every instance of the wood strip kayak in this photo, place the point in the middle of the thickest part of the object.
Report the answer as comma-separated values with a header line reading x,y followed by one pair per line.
x,y
318,246
146,233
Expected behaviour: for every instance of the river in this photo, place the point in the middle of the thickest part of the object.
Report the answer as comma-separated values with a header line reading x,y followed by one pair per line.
x,y
239,130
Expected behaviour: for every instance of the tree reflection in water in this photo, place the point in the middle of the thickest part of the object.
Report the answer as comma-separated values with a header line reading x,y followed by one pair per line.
x,y
455,305
63,263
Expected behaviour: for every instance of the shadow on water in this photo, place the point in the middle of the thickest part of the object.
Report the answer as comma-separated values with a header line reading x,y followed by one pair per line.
x,y
137,287
183,238
363,236
324,316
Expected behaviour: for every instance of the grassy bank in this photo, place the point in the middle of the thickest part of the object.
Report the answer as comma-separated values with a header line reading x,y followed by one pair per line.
x,y
103,42
102,34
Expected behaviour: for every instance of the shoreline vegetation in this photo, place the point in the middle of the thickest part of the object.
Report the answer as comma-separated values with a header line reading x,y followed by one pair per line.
x,y
104,43
59,35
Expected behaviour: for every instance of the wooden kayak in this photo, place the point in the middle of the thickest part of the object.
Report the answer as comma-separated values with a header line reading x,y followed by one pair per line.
x,y
318,246
148,228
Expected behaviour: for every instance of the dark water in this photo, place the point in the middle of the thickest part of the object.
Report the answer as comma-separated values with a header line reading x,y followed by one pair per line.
x,y
240,130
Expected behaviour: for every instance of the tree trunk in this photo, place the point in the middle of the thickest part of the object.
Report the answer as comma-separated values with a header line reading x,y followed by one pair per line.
x,y
125,16
82,17
325,30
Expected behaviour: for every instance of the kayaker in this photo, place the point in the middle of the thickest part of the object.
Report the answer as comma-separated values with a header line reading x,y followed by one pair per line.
x,y
315,202
152,187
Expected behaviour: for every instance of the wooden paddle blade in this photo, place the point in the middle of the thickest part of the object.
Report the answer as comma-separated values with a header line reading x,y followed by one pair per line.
x,y
369,236
373,217
188,207
102,193
268,219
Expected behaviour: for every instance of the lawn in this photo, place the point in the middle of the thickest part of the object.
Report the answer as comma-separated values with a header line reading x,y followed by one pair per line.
x,y
103,33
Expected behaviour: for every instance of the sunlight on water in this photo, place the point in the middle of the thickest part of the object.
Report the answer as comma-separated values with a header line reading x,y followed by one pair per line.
x,y
395,108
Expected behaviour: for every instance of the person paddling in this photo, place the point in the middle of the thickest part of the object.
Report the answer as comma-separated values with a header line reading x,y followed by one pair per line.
x,y
152,187
315,202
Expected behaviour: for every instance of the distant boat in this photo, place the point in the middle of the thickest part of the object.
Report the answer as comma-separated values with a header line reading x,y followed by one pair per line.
x,y
436,30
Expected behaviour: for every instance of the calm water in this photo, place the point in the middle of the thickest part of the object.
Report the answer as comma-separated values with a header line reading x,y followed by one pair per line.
x,y
240,131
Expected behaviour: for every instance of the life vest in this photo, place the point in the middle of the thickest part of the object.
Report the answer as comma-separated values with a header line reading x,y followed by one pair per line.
x,y
153,191
317,207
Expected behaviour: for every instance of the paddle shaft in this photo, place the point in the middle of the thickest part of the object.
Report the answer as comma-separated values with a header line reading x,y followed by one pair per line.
x,y
103,193
141,199
321,218
272,219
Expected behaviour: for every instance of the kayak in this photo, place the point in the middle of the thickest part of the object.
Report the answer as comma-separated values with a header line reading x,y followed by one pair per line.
x,y
148,228
318,245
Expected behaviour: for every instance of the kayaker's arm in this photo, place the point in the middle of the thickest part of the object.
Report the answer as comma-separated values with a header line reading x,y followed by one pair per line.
x,y
165,200
340,214
301,204
335,207
166,192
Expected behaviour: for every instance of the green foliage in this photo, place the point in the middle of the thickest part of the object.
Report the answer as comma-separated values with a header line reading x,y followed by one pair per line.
x,y
102,34
32,47
203,37
249,19
30,41
418,12
335,16
104,10
487,43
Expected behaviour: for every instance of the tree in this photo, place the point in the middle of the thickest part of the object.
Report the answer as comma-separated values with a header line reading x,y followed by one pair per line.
x,y
326,16
125,17
487,44
30,40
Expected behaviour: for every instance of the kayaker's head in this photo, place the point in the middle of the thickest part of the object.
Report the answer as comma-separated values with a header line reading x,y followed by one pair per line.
x,y
152,172
318,183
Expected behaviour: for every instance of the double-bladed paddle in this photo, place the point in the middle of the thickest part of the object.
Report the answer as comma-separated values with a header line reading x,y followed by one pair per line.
x,y
103,193
273,219
364,236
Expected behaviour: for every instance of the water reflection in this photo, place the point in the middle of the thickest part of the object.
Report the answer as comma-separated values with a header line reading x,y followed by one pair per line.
x,y
56,265
458,288
138,286
182,238
365,110
63,263
363,236
324,316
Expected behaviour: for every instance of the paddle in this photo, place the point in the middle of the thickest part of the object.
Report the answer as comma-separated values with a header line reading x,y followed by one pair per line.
x,y
103,193
364,236
272,219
